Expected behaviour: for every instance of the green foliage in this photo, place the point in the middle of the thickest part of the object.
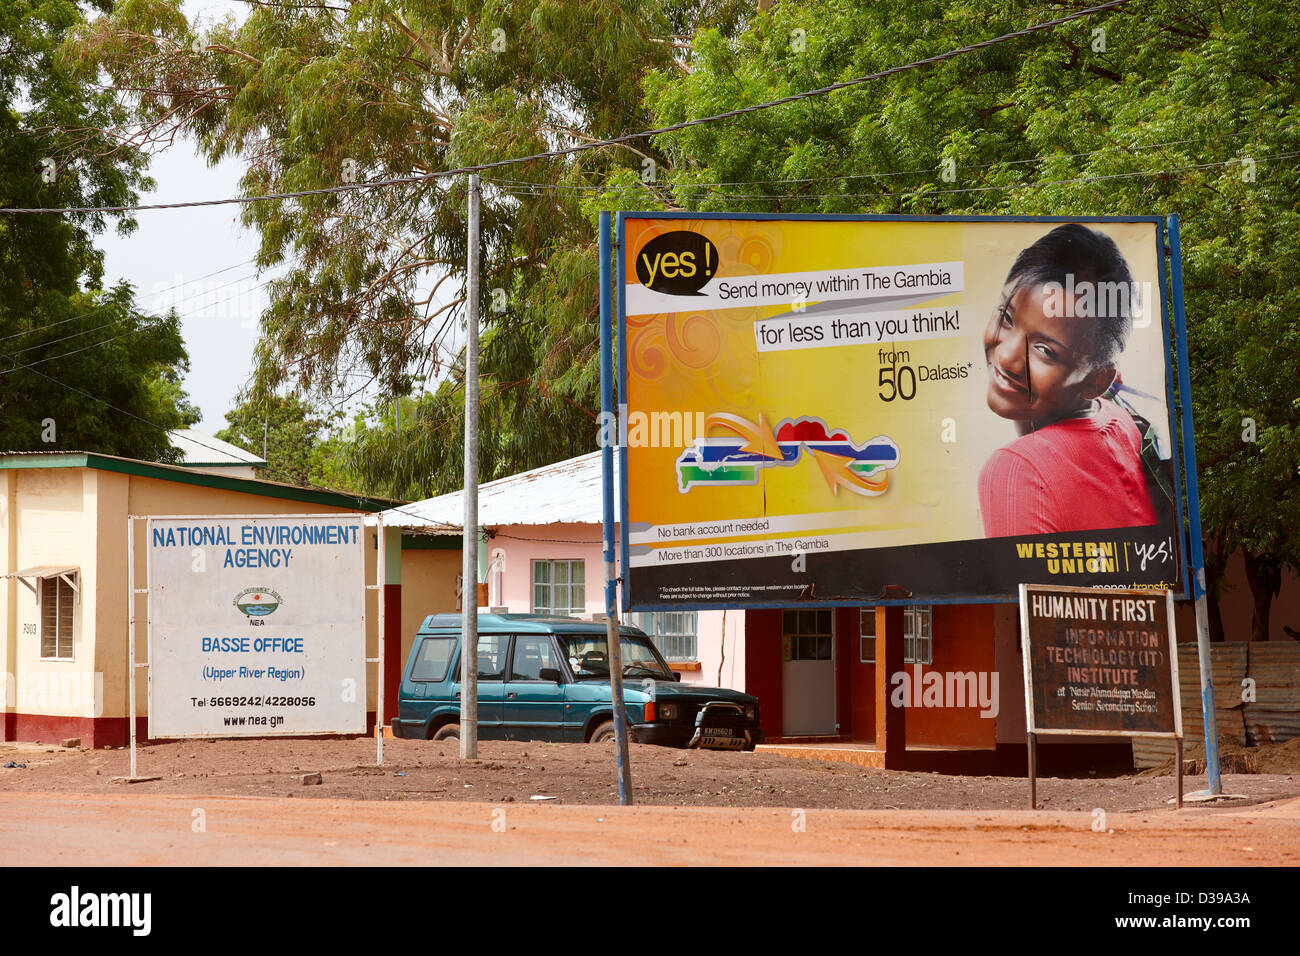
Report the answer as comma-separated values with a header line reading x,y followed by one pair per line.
x,y
283,430
315,96
1145,109
1152,117
54,314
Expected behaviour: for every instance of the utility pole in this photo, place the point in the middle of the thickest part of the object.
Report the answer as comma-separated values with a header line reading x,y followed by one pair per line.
x,y
469,528
622,764
1197,590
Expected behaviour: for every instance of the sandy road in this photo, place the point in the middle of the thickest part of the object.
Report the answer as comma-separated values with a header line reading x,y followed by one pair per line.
x,y
153,829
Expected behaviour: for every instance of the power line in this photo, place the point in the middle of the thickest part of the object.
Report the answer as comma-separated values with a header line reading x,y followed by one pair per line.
x,y
106,404
73,335
597,144
141,328
966,189
105,307
928,171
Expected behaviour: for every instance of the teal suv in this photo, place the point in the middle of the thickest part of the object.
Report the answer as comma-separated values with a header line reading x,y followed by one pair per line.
x,y
548,678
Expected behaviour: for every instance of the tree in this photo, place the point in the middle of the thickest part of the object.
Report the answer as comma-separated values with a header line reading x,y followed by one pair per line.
x,y
320,95
1154,107
351,454
284,429
80,367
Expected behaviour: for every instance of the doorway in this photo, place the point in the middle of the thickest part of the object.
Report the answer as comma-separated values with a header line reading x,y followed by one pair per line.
x,y
809,705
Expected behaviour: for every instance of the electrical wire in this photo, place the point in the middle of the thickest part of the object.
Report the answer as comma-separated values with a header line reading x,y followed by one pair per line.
x,y
73,335
103,308
106,404
142,328
594,144
966,189
929,171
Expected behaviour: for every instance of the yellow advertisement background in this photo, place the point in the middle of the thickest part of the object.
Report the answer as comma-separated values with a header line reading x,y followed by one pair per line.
x,y
706,361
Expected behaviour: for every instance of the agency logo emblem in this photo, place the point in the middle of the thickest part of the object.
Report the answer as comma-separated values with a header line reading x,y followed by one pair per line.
x,y
257,602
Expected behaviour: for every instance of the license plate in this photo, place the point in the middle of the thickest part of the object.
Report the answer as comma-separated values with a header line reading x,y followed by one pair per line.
x,y
720,738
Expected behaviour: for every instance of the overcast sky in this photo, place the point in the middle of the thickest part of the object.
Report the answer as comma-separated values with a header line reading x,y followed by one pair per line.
x,y
200,262
168,256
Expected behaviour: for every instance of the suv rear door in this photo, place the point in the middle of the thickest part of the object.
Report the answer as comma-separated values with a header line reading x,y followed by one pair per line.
x,y
493,651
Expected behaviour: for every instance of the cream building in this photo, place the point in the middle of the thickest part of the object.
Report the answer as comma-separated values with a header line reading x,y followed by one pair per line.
x,y
63,582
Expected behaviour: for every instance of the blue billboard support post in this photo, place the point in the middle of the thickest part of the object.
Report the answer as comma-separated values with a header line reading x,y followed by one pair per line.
x,y
607,440
1215,782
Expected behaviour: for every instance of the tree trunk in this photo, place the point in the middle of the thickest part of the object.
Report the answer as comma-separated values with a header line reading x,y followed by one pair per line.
x,y
1264,575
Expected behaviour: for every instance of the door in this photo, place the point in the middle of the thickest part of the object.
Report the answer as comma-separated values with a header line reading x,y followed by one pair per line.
x,y
430,672
492,652
534,706
808,695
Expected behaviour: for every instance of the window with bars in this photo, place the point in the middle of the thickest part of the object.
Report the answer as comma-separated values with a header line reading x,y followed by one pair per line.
x,y
673,632
559,587
918,644
809,635
58,607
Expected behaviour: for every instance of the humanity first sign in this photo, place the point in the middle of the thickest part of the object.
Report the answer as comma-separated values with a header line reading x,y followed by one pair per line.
x,y
844,409
257,625
1100,661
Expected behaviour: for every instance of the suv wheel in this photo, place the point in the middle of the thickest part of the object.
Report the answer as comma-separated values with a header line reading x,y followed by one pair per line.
x,y
605,731
447,732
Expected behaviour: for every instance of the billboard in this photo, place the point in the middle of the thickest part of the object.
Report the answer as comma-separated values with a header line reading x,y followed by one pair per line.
x,y
257,625
845,410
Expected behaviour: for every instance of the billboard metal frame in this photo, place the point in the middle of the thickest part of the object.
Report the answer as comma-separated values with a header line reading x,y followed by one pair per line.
x,y
1178,407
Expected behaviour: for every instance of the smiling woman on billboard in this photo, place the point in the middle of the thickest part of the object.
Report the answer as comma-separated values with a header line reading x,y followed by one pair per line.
x,y
1052,348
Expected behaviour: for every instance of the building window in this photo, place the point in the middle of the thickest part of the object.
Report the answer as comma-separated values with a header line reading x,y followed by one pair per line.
x,y
58,603
808,635
918,645
559,587
673,632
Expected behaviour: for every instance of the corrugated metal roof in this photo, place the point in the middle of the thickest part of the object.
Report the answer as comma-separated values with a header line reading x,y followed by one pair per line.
x,y
200,448
567,491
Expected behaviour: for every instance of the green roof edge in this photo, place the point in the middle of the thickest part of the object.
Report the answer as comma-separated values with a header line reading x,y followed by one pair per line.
x,y
185,476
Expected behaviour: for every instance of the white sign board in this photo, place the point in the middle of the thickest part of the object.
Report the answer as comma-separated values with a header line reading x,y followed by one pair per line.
x,y
257,625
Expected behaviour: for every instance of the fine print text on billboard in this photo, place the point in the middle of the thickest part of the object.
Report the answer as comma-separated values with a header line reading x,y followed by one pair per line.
x,y
842,411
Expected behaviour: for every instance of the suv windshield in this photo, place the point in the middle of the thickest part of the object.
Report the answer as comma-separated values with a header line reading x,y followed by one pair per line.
x,y
588,655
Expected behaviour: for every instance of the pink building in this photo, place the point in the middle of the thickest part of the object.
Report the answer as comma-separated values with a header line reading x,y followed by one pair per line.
x,y
813,669
541,553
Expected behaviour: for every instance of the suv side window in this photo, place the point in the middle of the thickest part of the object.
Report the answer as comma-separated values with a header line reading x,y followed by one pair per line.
x,y
533,653
435,655
492,656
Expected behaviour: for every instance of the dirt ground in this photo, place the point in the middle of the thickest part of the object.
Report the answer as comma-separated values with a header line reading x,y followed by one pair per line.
x,y
241,802
513,772
136,829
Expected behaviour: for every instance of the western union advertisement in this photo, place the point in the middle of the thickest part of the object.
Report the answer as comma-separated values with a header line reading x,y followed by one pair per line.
x,y
844,410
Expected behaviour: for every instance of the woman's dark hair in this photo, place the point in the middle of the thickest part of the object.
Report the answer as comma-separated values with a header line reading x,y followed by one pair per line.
x,y
1074,255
